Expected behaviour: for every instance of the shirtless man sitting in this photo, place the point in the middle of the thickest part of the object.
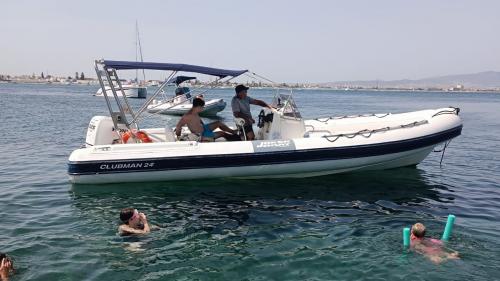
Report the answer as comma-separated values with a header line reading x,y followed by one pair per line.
x,y
206,131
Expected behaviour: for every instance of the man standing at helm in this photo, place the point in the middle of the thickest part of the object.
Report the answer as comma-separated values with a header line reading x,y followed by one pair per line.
x,y
241,109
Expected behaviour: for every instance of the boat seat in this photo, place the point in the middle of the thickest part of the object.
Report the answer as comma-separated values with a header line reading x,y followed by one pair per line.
x,y
189,137
240,123
170,135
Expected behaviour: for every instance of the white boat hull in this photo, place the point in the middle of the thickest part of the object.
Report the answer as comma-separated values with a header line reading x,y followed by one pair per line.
x,y
317,154
130,92
295,170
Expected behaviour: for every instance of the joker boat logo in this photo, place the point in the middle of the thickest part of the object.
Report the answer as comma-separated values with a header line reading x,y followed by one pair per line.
x,y
275,145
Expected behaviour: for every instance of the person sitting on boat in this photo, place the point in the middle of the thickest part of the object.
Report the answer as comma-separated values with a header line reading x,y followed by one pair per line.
x,y
205,131
429,247
133,222
6,267
240,105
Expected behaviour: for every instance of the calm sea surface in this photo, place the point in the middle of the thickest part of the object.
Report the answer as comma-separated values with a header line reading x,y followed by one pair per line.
x,y
343,227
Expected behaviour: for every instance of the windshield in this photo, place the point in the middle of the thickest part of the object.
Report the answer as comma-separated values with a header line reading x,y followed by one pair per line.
x,y
284,102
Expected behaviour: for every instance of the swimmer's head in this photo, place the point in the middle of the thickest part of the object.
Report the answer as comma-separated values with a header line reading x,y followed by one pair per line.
x,y
418,230
127,214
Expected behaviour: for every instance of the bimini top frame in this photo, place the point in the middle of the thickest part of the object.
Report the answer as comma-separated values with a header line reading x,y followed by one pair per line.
x,y
106,73
118,65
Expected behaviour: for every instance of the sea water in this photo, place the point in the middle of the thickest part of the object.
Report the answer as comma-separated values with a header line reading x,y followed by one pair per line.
x,y
338,227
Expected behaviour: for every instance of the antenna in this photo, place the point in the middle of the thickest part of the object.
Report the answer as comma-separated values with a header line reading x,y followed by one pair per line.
x,y
138,44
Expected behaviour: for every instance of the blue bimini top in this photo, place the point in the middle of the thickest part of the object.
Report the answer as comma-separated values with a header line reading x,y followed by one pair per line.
x,y
172,67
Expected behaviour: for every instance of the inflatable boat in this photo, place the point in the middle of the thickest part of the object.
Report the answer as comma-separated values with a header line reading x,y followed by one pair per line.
x,y
180,107
181,103
130,90
286,145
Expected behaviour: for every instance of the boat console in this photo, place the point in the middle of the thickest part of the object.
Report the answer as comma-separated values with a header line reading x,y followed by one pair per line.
x,y
285,122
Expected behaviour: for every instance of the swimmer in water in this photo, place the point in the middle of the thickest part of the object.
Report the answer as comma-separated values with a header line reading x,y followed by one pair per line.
x,y
6,267
133,222
431,248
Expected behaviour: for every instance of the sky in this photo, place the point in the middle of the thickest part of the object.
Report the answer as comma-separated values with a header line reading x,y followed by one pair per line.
x,y
286,41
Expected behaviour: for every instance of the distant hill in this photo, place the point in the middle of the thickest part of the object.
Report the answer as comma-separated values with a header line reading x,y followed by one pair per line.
x,y
481,80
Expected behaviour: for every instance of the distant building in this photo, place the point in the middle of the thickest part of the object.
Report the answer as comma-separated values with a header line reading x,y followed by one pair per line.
x,y
458,87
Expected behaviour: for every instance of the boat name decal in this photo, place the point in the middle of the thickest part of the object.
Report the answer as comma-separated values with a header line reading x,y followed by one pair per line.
x,y
275,145
119,166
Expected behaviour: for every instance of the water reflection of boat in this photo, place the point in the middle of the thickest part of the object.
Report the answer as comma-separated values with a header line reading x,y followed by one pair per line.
x,y
219,206
287,145
401,186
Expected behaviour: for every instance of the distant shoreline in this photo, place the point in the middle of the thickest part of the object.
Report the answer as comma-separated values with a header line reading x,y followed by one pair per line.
x,y
94,82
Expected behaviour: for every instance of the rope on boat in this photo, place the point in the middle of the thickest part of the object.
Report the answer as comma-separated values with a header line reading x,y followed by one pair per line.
x,y
443,151
455,111
367,133
262,77
326,119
